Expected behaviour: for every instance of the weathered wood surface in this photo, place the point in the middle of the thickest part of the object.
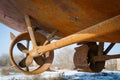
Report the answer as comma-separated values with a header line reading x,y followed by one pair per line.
x,y
67,16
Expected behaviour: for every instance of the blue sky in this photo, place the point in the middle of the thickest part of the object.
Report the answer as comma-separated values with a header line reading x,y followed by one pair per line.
x,y
5,40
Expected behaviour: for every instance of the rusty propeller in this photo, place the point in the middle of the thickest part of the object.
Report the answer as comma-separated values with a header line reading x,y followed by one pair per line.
x,y
28,59
25,62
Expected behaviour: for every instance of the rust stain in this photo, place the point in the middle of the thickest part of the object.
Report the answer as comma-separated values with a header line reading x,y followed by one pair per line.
x,y
66,16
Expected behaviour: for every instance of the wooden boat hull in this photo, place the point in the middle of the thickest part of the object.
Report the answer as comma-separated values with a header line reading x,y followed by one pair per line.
x,y
66,16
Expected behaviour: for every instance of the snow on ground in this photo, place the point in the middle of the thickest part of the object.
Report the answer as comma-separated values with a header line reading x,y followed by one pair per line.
x,y
63,75
105,75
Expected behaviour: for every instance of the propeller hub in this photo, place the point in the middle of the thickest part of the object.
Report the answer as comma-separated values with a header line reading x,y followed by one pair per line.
x,y
35,52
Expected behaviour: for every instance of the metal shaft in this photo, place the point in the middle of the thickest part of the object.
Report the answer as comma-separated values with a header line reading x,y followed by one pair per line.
x,y
105,57
103,28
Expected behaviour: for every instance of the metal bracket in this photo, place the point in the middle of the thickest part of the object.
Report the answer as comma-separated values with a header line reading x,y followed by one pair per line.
x,y
50,37
108,48
30,30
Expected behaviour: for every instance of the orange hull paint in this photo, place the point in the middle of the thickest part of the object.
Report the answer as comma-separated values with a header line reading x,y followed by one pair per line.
x,y
67,16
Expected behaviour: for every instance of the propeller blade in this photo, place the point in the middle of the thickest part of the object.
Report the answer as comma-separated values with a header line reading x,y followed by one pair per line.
x,y
39,60
28,60
22,63
22,48
12,36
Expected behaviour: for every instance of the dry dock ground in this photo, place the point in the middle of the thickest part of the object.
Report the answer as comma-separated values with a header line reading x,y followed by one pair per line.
x,y
59,75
